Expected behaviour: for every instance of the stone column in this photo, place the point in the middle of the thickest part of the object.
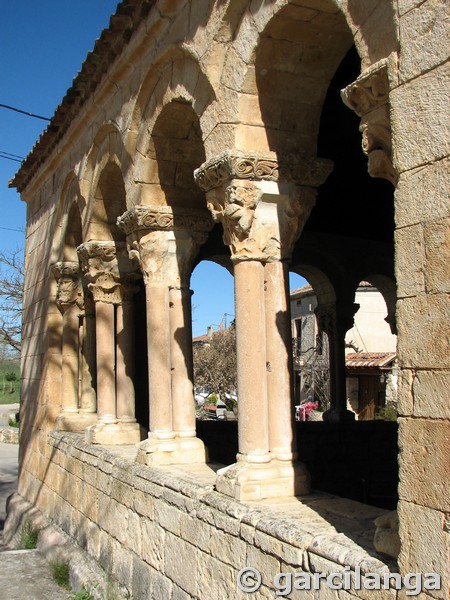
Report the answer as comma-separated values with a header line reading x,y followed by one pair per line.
x,y
88,376
107,268
70,303
262,212
166,241
336,324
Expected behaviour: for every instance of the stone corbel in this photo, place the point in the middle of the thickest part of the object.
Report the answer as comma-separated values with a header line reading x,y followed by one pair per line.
x,y
69,291
368,96
165,241
108,269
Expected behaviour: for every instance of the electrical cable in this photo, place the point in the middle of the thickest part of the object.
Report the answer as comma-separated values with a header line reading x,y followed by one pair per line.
x,y
24,112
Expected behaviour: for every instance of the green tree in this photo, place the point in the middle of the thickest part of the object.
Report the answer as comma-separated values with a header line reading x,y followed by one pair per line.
x,y
215,365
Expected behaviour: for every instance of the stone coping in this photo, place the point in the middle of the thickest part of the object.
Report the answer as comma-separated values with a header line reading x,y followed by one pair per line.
x,y
321,525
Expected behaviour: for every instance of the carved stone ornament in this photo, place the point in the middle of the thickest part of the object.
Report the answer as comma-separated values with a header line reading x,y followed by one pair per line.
x,y
166,259
69,292
335,322
267,236
368,96
164,218
233,164
109,271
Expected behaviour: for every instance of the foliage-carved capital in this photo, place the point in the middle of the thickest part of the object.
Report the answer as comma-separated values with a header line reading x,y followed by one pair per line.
x,y
164,218
258,166
109,271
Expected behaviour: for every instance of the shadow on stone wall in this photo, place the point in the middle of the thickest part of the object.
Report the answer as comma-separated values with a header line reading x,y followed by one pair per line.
x,y
353,460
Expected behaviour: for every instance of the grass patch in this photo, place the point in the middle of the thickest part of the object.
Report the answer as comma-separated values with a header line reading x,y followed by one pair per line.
x,y
60,572
13,423
28,536
83,594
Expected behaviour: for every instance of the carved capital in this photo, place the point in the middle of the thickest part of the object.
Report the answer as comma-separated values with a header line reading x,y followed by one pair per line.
x,y
259,225
164,218
166,257
109,271
335,322
368,96
252,166
69,290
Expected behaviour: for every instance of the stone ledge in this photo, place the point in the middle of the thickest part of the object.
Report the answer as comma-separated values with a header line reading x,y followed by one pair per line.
x,y
320,524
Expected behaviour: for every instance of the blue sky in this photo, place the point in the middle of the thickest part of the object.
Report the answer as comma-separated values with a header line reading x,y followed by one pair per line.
x,y
43,45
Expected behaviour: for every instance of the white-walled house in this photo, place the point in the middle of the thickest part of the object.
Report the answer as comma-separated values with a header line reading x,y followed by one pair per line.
x,y
370,352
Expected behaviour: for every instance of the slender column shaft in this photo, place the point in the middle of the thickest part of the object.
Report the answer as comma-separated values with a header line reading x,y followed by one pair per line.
x,y
88,402
106,384
125,362
70,359
340,402
251,359
279,360
158,342
181,362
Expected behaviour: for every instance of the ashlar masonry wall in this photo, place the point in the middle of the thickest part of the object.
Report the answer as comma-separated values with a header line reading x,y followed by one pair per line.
x,y
165,534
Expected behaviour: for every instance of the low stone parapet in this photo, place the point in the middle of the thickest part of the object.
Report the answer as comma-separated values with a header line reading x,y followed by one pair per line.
x,y
166,532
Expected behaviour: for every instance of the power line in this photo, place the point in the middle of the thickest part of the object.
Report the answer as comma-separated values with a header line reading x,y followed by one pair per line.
x,y
9,154
4,155
24,112
12,229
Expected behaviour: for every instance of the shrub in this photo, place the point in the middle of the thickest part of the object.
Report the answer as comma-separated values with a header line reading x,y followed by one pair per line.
x,y
28,536
60,572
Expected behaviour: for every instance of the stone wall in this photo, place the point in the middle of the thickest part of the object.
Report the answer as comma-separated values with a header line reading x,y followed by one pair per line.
x,y
168,534
420,138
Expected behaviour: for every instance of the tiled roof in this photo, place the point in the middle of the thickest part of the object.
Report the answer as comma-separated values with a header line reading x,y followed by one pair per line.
x,y
302,290
369,359
122,25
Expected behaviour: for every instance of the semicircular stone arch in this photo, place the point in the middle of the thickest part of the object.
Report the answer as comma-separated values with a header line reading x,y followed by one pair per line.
x,y
103,186
173,108
281,63
68,226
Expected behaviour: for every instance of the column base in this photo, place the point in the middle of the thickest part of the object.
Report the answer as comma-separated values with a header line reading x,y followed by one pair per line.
x,y
247,481
333,415
74,421
155,452
113,434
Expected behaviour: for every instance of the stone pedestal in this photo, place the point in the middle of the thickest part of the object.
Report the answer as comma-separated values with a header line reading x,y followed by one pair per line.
x,y
247,481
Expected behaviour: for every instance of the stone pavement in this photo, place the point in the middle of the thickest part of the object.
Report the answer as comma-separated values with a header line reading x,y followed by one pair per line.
x,y
24,574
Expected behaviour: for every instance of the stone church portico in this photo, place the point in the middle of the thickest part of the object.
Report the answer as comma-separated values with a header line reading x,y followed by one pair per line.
x,y
300,136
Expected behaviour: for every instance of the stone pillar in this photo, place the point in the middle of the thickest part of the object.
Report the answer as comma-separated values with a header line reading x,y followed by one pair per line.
x,y
180,319
109,271
368,96
263,207
336,324
70,303
166,241
88,376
